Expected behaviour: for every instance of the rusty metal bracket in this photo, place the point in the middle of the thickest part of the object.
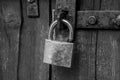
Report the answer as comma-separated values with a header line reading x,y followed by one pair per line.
x,y
98,19
32,8
67,6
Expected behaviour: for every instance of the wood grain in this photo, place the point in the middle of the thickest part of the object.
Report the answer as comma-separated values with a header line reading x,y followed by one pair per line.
x,y
108,57
33,34
110,5
108,62
10,22
83,63
85,5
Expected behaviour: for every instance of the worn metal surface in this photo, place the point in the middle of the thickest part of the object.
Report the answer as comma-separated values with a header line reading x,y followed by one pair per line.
x,y
32,8
58,53
104,19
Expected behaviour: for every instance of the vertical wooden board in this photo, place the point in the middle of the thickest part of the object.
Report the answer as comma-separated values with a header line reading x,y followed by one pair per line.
x,y
83,59
83,63
97,4
108,57
10,22
85,4
41,69
110,5
108,62
33,34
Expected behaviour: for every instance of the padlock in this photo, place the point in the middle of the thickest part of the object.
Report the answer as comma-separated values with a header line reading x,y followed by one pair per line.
x,y
58,53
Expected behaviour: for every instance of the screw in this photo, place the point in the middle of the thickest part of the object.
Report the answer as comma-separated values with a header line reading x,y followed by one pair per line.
x,y
92,20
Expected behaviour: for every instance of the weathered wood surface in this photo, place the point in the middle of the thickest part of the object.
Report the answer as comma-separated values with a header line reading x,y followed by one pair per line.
x,y
83,64
103,62
83,59
108,57
33,34
10,22
108,48
85,5
96,53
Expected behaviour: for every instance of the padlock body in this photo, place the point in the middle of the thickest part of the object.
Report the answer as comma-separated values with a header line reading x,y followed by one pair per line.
x,y
58,53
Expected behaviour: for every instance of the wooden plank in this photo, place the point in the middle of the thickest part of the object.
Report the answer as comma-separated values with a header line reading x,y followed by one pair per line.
x,y
33,34
110,5
108,57
10,22
108,62
97,4
83,63
83,59
85,5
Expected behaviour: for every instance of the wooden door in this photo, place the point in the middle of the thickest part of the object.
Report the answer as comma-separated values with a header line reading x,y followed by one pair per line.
x,y
22,41
96,54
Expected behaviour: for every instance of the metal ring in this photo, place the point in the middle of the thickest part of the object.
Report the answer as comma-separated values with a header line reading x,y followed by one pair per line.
x,y
52,26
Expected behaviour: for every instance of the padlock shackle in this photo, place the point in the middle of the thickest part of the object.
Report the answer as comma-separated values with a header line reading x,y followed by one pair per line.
x,y
52,26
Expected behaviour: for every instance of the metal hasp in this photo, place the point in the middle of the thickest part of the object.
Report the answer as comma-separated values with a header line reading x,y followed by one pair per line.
x,y
32,8
98,19
67,5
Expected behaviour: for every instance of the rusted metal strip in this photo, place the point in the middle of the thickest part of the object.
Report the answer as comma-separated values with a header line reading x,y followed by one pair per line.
x,y
98,19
